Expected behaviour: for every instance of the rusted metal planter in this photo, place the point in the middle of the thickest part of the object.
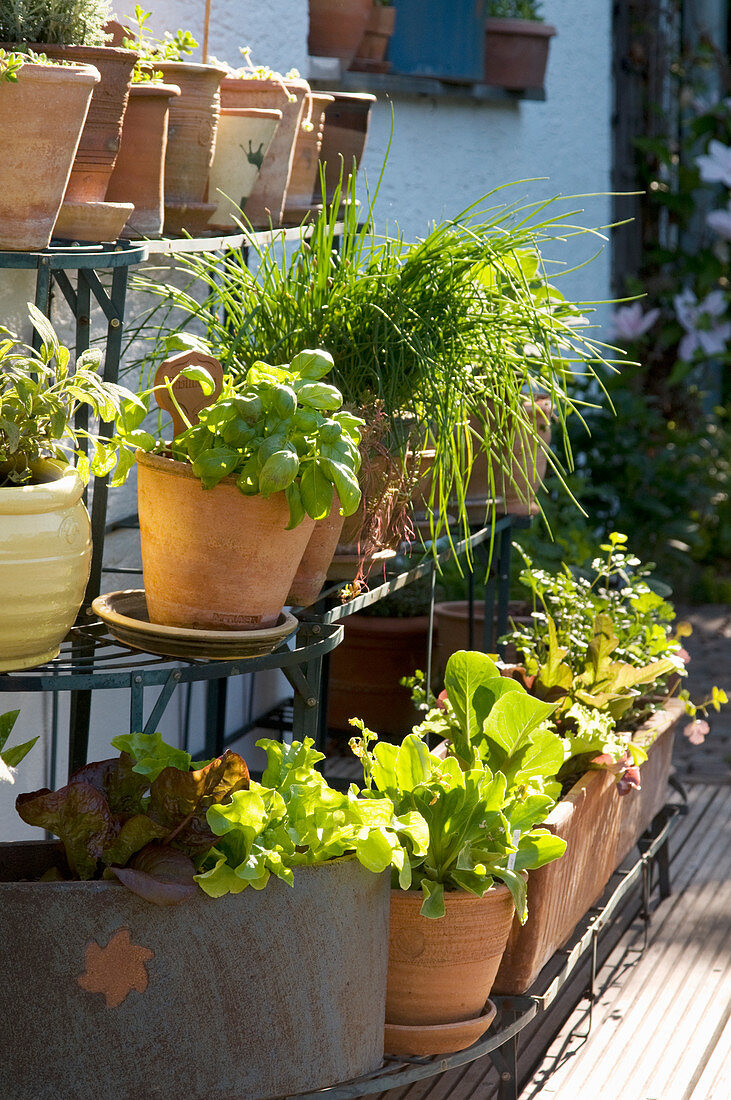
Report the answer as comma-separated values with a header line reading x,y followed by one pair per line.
x,y
599,828
107,997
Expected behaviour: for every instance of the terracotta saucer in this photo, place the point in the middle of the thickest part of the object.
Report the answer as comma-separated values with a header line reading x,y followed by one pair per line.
x,y
91,221
426,1039
125,613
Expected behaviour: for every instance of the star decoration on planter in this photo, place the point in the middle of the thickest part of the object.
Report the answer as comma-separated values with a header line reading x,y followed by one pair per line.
x,y
117,969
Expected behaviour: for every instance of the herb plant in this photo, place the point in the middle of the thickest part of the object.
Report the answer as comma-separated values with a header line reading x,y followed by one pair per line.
x,y
482,802
40,398
171,47
515,9
11,757
279,429
67,22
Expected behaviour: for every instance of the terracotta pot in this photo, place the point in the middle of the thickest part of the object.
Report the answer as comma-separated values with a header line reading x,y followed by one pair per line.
x,y
366,668
191,128
269,193
213,559
312,569
45,556
139,173
41,119
371,53
516,52
441,971
107,971
244,137
518,477
599,827
453,627
344,135
304,175
102,133
336,28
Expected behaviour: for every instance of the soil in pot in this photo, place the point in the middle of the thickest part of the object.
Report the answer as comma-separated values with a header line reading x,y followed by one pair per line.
x,y
45,556
42,115
213,559
139,173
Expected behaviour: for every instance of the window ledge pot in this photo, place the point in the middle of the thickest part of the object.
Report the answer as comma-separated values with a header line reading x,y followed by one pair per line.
x,y
516,53
259,994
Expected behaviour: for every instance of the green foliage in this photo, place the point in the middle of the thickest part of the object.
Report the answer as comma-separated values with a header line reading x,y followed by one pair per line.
x,y
10,65
171,47
293,818
277,429
420,330
137,817
66,22
482,802
11,757
39,400
515,9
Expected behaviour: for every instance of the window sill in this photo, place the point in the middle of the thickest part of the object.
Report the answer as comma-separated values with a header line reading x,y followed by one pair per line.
x,y
400,84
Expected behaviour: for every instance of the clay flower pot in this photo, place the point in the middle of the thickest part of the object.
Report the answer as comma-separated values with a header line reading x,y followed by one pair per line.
x,y
139,174
519,476
336,28
244,137
440,972
191,129
102,133
42,116
213,559
304,175
371,53
516,52
312,569
45,556
366,670
345,133
268,196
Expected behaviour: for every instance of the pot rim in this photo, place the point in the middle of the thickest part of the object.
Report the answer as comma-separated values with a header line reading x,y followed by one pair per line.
x,y
528,28
455,897
186,66
63,490
151,89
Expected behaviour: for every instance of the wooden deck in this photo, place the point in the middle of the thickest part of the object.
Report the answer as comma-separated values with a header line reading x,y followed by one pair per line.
x,y
661,1024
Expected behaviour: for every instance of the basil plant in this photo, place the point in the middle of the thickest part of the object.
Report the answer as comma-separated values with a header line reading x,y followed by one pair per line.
x,y
279,429
482,800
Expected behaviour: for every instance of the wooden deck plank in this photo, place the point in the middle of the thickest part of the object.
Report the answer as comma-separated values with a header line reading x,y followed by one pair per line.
x,y
714,1082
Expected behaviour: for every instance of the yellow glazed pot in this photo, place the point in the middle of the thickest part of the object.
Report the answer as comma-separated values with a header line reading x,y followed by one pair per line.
x,y
45,557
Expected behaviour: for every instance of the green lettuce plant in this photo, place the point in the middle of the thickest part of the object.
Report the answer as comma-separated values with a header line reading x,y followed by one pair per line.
x,y
482,802
277,429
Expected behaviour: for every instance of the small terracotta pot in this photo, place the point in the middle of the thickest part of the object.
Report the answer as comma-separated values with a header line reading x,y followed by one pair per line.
x,y
244,137
41,119
269,193
366,670
519,476
304,174
191,128
516,52
213,559
139,173
312,569
345,134
452,618
374,43
102,133
336,27
441,971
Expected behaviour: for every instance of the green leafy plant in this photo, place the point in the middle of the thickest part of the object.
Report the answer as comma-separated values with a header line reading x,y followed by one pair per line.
x,y
421,331
171,47
67,22
293,818
483,801
515,9
11,757
277,429
140,817
10,65
40,397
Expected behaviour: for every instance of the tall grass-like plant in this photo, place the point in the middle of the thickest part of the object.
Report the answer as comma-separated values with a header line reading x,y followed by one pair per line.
x,y
67,22
428,332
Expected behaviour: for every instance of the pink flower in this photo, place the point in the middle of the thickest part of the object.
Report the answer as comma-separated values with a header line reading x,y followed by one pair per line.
x,y
629,780
715,167
684,656
703,332
720,222
697,731
629,322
